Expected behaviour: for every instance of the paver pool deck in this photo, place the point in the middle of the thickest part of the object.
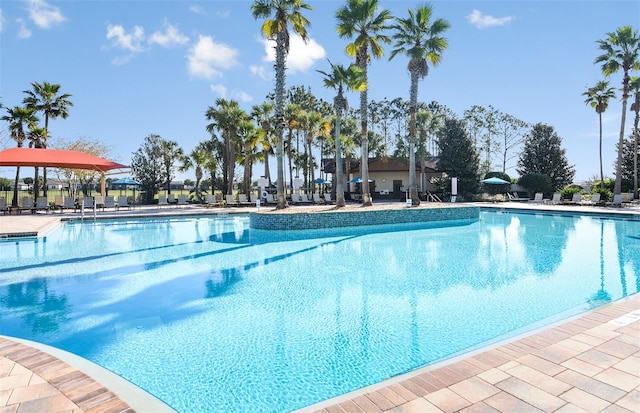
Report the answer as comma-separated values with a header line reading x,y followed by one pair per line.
x,y
589,363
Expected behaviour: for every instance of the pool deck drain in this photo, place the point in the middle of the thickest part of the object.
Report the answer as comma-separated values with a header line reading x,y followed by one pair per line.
x,y
590,363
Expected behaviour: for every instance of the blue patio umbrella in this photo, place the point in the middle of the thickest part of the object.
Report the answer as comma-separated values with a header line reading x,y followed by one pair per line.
x,y
357,180
125,182
494,181
320,181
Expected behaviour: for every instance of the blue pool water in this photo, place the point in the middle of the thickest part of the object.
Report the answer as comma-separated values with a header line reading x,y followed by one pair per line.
x,y
209,315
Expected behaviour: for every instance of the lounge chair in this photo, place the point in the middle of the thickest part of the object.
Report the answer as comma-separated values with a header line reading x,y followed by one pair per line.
x,y
26,205
243,201
538,198
516,198
211,201
576,200
42,204
229,200
68,203
99,200
555,200
253,198
3,206
109,202
327,198
270,199
595,199
295,199
123,202
162,201
617,201
316,198
304,199
88,202
171,199
183,200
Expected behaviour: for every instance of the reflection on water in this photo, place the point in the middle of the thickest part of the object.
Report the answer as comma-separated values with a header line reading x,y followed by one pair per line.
x,y
285,319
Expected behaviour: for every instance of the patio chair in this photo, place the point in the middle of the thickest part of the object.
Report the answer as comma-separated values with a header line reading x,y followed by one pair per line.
x,y
243,201
162,201
26,205
555,200
211,201
617,201
3,206
182,200
88,202
42,204
327,198
99,200
123,202
304,199
595,199
68,203
316,198
109,202
576,200
295,199
171,199
270,199
229,200
538,197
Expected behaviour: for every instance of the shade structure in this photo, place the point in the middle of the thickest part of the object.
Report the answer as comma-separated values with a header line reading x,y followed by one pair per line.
x,y
125,182
494,181
320,181
56,158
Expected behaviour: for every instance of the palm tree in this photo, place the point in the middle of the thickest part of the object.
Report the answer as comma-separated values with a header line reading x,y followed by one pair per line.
x,y
634,87
226,118
359,20
598,97
196,158
339,78
18,118
278,14
262,115
620,51
36,138
314,125
45,98
248,138
171,152
423,43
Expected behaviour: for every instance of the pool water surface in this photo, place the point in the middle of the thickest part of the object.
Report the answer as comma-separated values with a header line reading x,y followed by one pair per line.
x,y
209,315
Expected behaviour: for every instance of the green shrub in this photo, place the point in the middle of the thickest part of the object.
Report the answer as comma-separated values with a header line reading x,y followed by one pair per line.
x,y
568,191
605,193
536,183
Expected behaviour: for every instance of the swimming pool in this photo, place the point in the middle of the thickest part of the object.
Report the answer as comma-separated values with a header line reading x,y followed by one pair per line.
x,y
209,315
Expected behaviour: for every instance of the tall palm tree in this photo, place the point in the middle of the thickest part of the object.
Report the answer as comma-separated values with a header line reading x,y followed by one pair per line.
x,y
620,51
422,41
598,98
313,124
226,118
360,20
46,98
634,87
18,118
278,14
36,138
262,115
292,112
171,152
196,159
339,79
248,138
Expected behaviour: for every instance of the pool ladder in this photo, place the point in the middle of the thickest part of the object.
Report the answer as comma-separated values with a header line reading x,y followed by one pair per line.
x,y
82,208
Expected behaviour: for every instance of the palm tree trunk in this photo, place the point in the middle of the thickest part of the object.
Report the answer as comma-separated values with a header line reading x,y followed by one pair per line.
x,y
601,172
338,171
635,151
364,162
625,95
14,201
413,93
280,125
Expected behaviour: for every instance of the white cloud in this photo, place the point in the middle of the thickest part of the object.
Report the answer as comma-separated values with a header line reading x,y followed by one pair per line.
x,y
207,57
242,96
301,55
224,14
43,14
197,9
23,31
258,71
482,21
171,36
128,41
221,90
1,20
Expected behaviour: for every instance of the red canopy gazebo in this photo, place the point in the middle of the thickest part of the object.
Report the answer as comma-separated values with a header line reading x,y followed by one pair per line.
x,y
58,158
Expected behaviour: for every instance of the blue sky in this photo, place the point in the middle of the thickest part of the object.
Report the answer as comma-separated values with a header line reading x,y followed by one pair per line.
x,y
140,67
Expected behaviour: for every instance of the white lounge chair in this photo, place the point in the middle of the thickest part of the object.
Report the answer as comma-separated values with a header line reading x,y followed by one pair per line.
x,y
26,205
327,198
316,198
595,199
617,201
42,204
123,202
171,199
109,202
538,197
162,201
3,206
183,200
99,200
556,199
230,201
211,201
304,199
270,199
243,201
576,200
